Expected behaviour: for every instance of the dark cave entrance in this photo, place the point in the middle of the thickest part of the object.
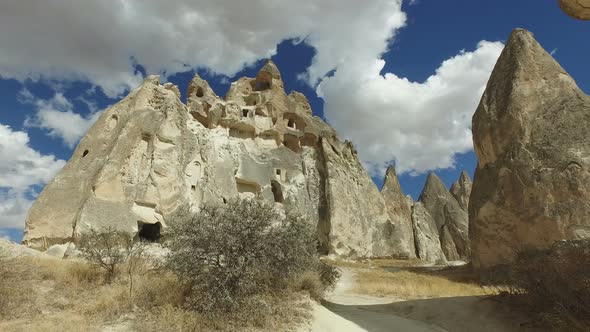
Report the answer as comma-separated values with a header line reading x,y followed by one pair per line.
x,y
277,191
149,232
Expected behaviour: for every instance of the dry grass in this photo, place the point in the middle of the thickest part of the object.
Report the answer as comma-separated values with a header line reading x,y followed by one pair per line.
x,y
40,294
412,285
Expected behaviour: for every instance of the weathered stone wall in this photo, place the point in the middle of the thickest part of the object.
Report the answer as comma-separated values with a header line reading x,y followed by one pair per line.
x,y
150,155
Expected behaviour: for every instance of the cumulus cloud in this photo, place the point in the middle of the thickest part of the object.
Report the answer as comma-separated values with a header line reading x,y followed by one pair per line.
x,y
21,167
420,126
57,116
13,209
101,41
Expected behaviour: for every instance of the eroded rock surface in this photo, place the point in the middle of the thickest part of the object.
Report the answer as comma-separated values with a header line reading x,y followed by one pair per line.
x,y
150,155
428,246
530,133
451,220
579,9
400,215
461,190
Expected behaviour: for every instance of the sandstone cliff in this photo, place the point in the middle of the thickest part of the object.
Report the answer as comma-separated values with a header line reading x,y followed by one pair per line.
x,y
451,221
400,215
150,154
530,133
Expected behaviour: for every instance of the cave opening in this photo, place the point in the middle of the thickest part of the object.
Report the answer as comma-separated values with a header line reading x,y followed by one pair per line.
x,y
277,191
149,232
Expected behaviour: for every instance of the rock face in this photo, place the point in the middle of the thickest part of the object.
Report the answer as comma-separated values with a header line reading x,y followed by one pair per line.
x,y
530,133
150,155
579,9
400,215
451,220
461,190
428,247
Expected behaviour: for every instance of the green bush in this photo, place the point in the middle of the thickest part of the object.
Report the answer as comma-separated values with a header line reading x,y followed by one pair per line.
x,y
230,256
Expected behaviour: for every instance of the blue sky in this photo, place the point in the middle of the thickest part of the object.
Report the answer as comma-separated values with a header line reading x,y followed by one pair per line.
x,y
400,82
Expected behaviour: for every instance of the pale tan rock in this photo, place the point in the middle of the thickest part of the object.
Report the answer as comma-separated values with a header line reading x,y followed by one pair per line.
x,y
579,9
451,221
427,239
530,133
150,155
9,249
461,190
400,215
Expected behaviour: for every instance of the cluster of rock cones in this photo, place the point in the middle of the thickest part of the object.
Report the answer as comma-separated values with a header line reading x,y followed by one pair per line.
x,y
151,154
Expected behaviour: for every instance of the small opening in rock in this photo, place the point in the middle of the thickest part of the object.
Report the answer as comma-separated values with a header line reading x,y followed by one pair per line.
x,y
200,92
277,191
224,201
85,153
278,171
193,187
291,124
261,86
149,232
245,113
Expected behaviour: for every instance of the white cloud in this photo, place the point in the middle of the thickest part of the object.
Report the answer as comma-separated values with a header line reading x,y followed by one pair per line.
x,y
57,116
13,209
20,168
99,41
419,125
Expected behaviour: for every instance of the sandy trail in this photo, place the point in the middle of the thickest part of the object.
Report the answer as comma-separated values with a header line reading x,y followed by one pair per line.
x,y
343,312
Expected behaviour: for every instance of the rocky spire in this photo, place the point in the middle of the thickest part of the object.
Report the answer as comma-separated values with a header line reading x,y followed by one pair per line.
x,y
450,219
400,215
427,239
530,133
461,190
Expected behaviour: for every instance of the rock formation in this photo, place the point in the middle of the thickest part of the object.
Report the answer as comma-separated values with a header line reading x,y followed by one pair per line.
x,y
451,221
461,190
426,236
150,155
530,133
579,9
400,215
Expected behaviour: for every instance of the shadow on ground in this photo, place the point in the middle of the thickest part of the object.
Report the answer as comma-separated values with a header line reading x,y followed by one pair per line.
x,y
456,314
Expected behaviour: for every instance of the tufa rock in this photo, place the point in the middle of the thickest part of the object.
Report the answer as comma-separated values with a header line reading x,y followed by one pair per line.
x,y
400,215
461,190
530,133
579,9
451,220
428,246
150,155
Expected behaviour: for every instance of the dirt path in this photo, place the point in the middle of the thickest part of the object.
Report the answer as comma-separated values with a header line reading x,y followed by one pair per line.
x,y
343,312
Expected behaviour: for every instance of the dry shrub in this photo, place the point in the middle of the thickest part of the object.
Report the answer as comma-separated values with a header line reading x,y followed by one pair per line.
x,y
108,250
233,258
411,285
555,284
